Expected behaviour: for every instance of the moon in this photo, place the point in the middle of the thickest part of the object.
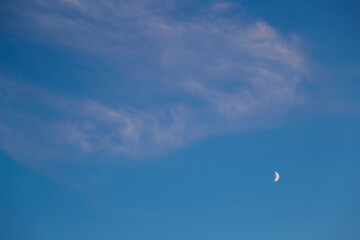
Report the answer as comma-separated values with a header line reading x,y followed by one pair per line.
x,y
277,176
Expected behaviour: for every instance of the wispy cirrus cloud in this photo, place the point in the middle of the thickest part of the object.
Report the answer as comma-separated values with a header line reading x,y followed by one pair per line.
x,y
227,75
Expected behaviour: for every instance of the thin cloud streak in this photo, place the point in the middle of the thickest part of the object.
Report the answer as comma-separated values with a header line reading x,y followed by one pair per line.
x,y
231,71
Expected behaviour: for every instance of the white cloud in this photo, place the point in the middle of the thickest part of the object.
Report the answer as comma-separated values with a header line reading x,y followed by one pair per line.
x,y
233,74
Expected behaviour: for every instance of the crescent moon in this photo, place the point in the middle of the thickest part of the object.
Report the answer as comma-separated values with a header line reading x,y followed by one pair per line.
x,y
276,177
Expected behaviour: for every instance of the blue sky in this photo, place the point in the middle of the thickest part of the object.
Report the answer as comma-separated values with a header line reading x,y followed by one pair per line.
x,y
155,119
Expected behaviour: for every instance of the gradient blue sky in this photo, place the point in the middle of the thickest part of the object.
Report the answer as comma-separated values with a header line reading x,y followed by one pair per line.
x,y
156,119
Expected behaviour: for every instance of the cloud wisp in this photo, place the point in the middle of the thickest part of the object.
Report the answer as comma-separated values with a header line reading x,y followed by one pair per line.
x,y
227,74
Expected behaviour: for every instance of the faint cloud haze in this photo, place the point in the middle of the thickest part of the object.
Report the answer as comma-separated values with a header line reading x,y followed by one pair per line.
x,y
233,73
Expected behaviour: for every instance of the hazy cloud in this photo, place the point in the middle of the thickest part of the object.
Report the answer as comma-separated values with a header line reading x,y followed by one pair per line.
x,y
233,73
